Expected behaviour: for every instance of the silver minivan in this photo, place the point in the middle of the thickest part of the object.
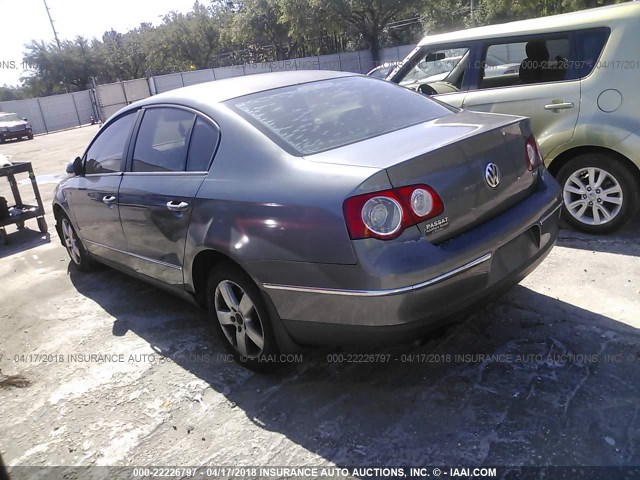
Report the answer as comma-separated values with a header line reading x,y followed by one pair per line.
x,y
576,76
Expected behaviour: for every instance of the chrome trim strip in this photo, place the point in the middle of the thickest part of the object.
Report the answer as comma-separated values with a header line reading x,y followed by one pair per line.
x,y
548,215
107,174
194,173
141,257
382,293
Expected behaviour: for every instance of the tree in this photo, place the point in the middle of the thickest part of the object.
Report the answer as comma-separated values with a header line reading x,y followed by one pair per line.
x,y
11,93
125,55
65,69
260,27
194,37
368,18
500,11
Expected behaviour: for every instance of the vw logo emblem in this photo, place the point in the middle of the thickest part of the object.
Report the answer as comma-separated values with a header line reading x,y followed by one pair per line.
x,y
492,175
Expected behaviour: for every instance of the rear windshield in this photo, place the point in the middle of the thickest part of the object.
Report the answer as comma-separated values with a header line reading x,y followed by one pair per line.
x,y
318,116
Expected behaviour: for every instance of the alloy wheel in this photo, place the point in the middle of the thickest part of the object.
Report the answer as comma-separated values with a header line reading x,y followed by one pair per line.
x,y
592,196
239,319
71,241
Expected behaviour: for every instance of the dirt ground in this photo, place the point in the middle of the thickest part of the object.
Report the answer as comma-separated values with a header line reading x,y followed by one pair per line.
x,y
116,372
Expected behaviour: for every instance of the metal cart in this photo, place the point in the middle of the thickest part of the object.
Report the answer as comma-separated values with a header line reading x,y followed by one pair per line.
x,y
19,212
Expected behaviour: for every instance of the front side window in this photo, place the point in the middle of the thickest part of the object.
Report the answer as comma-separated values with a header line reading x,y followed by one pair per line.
x,y
318,116
524,62
105,154
163,140
433,65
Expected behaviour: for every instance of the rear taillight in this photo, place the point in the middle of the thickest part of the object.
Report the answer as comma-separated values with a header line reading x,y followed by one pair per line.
x,y
422,201
387,213
532,153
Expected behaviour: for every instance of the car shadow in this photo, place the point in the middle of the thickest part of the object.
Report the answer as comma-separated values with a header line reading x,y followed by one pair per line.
x,y
625,241
22,240
524,379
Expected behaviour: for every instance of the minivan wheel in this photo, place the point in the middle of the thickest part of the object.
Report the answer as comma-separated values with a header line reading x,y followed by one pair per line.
x,y
80,258
241,318
598,191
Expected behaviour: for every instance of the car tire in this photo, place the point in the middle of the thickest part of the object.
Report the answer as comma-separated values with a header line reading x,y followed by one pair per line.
x,y
241,318
80,258
30,137
600,193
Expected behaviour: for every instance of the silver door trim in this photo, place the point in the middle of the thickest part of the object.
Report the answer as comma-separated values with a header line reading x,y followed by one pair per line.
x,y
141,257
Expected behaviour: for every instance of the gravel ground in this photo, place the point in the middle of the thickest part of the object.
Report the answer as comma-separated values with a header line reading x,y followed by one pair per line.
x,y
112,371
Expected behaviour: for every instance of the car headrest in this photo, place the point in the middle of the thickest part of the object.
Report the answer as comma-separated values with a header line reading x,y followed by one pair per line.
x,y
537,50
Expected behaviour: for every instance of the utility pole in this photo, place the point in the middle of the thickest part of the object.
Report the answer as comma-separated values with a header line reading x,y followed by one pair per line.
x,y
55,35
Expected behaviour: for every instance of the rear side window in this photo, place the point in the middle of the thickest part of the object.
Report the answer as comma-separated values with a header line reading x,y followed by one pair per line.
x,y
538,60
203,144
590,44
318,116
105,154
163,140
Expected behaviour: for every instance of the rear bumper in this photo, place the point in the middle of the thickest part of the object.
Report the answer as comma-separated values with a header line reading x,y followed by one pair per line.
x,y
435,306
486,259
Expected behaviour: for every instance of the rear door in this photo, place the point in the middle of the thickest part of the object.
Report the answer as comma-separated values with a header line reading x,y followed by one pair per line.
x,y
534,76
169,161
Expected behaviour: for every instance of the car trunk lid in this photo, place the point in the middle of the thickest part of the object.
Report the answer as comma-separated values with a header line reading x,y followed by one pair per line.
x,y
451,154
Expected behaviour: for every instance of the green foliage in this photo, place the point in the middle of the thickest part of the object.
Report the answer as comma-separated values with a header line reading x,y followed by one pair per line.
x,y
11,93
369,18
499,11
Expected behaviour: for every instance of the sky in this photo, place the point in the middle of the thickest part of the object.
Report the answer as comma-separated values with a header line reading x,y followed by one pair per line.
x,y
27,20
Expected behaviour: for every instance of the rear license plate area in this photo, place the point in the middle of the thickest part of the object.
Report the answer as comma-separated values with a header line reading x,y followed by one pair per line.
x,y
514,254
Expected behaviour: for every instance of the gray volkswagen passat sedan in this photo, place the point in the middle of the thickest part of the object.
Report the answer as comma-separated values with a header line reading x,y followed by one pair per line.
x,y
311,207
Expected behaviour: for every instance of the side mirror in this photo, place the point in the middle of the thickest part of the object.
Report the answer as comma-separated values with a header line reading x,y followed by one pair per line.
x,y
25,119
75,167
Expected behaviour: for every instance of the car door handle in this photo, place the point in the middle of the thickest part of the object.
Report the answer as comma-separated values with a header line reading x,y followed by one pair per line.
x,y
177,207
108,199
559,106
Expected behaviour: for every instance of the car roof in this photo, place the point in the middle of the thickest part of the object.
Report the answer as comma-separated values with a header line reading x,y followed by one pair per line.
x,y
591,18
218,91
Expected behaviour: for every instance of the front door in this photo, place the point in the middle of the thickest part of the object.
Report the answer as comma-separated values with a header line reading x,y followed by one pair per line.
x,y
93,198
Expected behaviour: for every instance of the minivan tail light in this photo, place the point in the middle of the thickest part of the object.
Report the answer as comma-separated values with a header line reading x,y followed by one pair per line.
x,y
386,214
532,153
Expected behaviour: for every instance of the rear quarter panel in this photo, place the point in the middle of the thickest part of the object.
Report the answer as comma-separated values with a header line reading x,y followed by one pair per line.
x,y
259,203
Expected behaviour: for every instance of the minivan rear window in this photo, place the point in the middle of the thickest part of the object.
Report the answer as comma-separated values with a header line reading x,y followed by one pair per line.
x,y
318,116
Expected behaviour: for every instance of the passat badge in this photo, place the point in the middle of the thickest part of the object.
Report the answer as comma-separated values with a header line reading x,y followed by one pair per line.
x,y
436,225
